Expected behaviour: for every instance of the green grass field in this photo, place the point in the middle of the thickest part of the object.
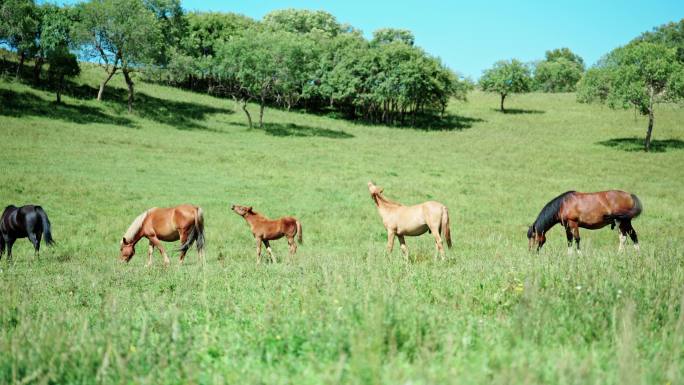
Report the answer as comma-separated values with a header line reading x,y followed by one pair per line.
x,y
343,311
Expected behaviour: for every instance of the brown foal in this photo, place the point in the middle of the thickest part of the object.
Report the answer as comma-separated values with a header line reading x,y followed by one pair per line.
x,y
265,230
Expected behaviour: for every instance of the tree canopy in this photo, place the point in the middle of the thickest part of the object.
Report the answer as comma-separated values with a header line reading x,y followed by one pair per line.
x,y
639,75
559,72
507,77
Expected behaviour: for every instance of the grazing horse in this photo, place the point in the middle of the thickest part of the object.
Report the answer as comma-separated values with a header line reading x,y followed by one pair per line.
x,y
415,220
265,230
21,222
184,222
588,210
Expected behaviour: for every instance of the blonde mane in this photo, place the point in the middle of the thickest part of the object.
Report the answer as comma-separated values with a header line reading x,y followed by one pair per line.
x,y
382,198
135,226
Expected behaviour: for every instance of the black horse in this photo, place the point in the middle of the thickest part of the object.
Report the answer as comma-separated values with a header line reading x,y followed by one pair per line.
x,y
21,222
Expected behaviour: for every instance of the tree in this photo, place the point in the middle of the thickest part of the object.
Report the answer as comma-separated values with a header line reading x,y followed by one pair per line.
x,y
640,74
19,25
565,53
54,37
62,64
559,72
301,21
389,35
122,34
506,77
671,35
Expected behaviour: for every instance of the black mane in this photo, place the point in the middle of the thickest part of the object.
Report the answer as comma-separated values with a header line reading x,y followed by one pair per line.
x,y
549,214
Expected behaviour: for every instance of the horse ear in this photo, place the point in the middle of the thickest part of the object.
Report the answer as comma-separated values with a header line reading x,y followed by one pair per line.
x,y
123,240
249,209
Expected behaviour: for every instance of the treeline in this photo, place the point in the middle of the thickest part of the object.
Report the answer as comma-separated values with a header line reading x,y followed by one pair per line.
x,y
290,58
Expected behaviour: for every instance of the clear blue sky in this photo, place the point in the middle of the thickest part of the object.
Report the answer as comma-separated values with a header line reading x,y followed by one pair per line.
x,y
471,35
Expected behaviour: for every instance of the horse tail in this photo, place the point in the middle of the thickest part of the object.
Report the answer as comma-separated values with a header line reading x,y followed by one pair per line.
x,y
299,232
196,233
637,208
445,225
199,225
2,245
47,233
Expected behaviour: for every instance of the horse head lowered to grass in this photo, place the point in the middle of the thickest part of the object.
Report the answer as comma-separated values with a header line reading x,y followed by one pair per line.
x,y
184,222
592,211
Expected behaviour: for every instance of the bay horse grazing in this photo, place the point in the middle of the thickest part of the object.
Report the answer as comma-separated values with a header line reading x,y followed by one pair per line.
x,y
265,230
22,222
415,220
184,222
588,210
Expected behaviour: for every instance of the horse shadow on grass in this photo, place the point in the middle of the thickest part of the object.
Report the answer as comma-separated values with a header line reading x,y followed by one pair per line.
x,y
20,104
637,144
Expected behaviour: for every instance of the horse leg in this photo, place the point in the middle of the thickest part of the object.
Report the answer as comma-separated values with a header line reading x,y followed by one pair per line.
x,y
404,248
10,243
258,250
575,233
568,235
439,247
390,241
270,252
632,234
150,251
183,237
292,245
622,234
155,241
36,243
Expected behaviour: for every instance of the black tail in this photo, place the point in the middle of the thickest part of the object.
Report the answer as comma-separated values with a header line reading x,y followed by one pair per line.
x,y
196,233
2,245
47,233
636,210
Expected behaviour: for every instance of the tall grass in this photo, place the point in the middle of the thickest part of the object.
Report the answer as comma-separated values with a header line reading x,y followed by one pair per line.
x,y
344,311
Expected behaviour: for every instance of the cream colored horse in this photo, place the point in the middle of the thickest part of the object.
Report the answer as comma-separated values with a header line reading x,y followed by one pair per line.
x,y
415,220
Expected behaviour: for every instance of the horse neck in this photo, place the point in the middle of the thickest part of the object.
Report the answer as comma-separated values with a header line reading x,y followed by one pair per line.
x,y
383,204
253,218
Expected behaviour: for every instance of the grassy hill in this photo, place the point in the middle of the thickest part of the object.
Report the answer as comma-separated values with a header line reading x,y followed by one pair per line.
x,y
343,311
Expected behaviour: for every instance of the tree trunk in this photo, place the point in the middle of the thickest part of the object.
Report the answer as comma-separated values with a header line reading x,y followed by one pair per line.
x,y
59,89
110,74
647,142
22,57
249,117
36,70
129,83
261,113
503,96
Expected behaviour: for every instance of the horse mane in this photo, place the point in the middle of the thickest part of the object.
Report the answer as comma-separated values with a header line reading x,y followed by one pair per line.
x,y
379,197
549,214
135,226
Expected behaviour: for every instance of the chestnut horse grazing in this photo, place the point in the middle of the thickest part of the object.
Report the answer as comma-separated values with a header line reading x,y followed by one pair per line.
x,y
184,222
588,210
265,230
403,220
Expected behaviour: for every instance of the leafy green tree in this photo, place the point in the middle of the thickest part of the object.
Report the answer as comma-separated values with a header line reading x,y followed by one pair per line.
x,y
505,78
54,36
19,26
559,72
173,26
122,34
640,74
300,21
567,54
389,35
62,64
670,34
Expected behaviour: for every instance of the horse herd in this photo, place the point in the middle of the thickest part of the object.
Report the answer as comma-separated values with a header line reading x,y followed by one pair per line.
x,y
186,223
